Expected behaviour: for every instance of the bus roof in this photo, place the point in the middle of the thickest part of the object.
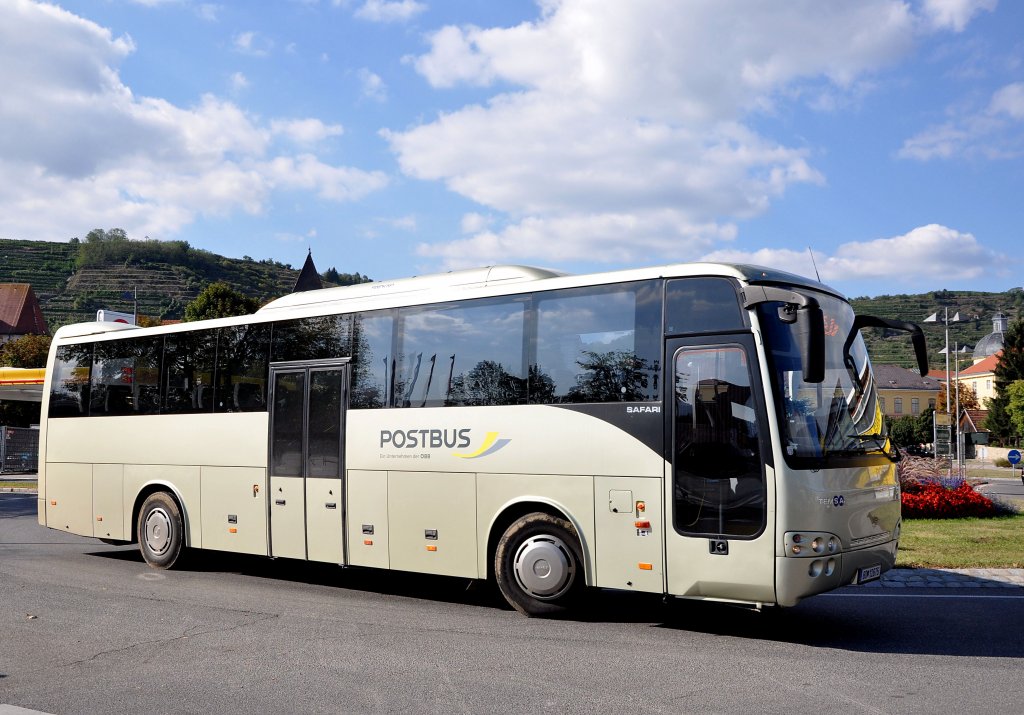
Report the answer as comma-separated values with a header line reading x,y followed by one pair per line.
x,y
483,282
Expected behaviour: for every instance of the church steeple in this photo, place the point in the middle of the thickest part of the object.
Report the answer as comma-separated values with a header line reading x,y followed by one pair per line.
x,y
308,278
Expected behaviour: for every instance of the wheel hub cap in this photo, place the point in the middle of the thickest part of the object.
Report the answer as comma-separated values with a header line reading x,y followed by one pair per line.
x,y
158,531
544,567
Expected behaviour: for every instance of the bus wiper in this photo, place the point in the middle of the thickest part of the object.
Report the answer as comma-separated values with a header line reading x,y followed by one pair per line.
x,y
866,437
881,439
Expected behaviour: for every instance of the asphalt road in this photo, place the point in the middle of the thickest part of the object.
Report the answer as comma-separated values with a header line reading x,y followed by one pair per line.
x,y
1006,489
87,628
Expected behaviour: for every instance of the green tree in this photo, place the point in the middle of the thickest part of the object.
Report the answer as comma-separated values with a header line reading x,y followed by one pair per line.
x,y
1015,405
903,431
1009,369
997,421
26,351
219,300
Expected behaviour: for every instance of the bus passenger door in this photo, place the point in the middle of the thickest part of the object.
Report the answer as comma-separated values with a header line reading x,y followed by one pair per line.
x,y
719,491
307,461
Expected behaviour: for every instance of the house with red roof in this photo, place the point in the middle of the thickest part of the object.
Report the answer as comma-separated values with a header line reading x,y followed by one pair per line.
x,y
20,313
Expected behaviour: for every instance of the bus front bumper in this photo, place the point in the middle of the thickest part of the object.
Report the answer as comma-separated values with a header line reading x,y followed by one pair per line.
x,y
798,578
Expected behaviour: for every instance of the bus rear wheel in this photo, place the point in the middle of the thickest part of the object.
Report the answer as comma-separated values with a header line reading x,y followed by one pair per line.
x,y
538,565
161,530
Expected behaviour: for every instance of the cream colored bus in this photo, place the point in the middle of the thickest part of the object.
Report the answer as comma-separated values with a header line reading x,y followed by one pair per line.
x,y
698,430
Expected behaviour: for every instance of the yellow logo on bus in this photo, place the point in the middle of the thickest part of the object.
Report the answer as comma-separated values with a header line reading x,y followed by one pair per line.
x,y
491,445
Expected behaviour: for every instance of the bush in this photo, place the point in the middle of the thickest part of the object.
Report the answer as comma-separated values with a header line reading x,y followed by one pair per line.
x,y
928,494
937,501
1002,462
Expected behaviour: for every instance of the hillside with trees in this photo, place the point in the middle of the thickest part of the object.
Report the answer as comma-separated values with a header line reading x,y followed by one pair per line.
x,y
976,309
74,279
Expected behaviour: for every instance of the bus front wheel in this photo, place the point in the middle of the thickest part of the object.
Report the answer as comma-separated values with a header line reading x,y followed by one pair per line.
x,y
538,565
161,530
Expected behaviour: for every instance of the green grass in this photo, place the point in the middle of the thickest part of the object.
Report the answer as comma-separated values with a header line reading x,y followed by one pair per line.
x,y
18,483
962,543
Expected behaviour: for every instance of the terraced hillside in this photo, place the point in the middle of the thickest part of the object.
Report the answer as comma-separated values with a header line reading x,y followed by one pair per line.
x,y
73,280
47,266
976,311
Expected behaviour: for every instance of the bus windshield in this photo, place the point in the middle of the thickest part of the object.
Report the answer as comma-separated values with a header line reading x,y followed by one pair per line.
x,y
838,419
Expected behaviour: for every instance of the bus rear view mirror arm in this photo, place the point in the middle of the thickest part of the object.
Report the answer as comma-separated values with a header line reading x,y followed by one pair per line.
x,y
916,336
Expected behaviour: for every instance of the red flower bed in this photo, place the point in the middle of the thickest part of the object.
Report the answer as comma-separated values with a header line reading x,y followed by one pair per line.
x,y
934,501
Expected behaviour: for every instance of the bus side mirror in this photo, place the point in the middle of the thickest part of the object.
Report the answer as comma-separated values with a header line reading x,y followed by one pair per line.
x,y
810,324
810,330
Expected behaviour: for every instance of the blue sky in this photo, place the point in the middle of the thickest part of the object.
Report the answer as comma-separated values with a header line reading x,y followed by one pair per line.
x,y
402,137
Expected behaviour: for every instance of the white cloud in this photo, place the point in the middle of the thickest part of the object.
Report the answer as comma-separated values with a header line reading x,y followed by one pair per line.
x,y
238,82
402,223
373,86
208,11
307,173
252,44
991,132
622,114
1009,101
78,149
619,238
935,252
305,131
955,14
475,222
386,11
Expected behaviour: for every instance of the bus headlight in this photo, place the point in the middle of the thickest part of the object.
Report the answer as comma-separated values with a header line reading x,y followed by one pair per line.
x,y
803,544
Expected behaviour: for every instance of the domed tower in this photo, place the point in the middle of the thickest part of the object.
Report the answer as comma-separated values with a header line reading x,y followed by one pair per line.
x,y
993,342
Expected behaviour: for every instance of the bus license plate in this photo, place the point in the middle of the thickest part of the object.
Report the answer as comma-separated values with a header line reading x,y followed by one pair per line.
x,y
869,573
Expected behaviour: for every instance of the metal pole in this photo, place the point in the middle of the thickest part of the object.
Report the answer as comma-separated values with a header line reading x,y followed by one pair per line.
x,y
959,449
946,320
949,472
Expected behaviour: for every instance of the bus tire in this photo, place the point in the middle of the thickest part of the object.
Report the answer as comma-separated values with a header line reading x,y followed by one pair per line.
x,y
161,530
538,565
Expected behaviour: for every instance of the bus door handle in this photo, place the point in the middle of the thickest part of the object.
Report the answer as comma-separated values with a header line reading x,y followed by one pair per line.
x,y
331,505
279,502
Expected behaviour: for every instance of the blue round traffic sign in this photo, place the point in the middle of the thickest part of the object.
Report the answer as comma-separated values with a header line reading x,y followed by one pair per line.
x,y
1014,456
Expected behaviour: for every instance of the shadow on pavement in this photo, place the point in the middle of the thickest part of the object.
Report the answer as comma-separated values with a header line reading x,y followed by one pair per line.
x,y
942,626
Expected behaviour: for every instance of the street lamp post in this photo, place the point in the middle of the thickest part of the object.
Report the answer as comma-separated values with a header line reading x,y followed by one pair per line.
x,y
958,350
946,320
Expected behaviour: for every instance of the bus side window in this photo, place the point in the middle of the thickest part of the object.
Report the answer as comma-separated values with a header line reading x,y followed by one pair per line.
x,y
69,386
372,360
125,377
187,376
468,353
316,338
597,344
702,305
242,354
